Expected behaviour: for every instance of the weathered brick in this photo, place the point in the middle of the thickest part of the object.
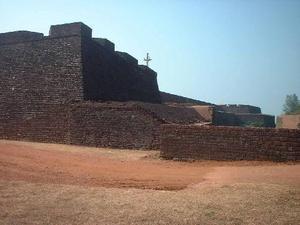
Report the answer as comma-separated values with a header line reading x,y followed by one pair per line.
x,y
231,144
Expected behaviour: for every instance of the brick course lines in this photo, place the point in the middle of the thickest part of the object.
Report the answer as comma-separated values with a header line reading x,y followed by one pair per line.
x,y
229,143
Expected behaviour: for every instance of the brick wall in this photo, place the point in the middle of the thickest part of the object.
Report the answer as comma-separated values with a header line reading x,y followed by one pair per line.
x,y
171,98
229,143
67,66
252,119
19,36
112,124
116,76
38,122
170,114
70,29
234,108
41,71
221,118
205,111
131,125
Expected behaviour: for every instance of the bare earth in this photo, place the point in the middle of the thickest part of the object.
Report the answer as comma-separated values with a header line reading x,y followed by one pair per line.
x,y
61,184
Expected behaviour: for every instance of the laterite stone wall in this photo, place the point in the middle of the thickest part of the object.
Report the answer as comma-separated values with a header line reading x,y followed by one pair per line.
x,y
41,71
171,98
111,126
116,76
131,125
229,143
233,108
38,122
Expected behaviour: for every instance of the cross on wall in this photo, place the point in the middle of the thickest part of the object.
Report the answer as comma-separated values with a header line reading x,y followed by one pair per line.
x,y
147,60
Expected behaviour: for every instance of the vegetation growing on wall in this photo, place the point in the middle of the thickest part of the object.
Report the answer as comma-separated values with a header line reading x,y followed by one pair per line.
x,y
291,105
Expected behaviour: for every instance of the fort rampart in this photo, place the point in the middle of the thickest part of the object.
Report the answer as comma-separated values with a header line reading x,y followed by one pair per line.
x,y
129,125
69,65
70,87
235,108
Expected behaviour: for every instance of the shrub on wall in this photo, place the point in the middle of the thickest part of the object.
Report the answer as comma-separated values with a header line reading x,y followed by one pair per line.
x,y
291,105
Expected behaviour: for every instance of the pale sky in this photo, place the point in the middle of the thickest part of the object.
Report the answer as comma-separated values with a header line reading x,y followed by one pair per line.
x,y
220,51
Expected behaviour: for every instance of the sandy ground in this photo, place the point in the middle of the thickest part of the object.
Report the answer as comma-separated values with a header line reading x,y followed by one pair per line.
x,y
36,164
61,184
60,164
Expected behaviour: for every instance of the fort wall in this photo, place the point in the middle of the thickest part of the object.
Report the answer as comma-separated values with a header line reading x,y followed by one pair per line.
x,y
69,66
53,88
221,118
132,125
113,126
253,119
37,122
70,29
234,108
116,76
41,71
168,98
19,36
229,143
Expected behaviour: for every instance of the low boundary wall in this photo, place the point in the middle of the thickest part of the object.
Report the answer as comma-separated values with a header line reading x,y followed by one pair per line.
x,y
193,142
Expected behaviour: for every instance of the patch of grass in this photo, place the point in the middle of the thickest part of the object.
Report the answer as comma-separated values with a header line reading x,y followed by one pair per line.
x,y
25,203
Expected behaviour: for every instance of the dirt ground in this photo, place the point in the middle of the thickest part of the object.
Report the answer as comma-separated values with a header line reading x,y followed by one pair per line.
x,y
61,184
49,163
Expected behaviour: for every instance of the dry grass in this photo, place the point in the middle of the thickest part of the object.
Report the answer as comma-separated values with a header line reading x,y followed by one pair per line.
x,y
25,203
231,193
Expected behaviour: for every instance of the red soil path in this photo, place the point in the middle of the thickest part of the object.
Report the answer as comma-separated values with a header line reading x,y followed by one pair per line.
x,y
40,164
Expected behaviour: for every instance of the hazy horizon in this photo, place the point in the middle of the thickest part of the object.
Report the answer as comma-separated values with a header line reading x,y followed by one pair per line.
x,y
224,52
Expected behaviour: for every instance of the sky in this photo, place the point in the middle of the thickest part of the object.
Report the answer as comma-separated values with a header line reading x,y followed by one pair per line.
x,y
219,51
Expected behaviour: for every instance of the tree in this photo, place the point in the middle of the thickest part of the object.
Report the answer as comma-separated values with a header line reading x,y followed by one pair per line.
x,y
291,105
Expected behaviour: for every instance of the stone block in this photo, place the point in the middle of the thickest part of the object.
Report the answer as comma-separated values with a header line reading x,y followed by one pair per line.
x,y
69,29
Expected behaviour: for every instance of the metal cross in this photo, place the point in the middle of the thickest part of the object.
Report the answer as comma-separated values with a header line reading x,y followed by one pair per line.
x,y
147,60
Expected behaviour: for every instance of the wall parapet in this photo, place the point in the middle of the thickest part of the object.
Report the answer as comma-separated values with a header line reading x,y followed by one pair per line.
x,y
229,143
239,108
70,29
19,36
